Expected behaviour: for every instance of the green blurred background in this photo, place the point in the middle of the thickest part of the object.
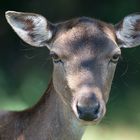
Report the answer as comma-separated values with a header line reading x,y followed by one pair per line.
x,y
25,71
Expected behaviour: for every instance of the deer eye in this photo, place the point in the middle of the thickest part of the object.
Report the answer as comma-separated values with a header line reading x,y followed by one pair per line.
x,y
55,57
115,57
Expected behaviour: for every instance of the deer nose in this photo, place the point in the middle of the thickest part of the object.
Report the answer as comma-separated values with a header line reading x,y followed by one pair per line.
x,y
88,108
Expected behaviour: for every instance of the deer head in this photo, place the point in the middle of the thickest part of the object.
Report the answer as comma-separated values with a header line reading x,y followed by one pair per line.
x,y
85,52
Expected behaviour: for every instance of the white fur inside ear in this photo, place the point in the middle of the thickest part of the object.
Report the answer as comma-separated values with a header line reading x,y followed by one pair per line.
x,y
127,33
32,28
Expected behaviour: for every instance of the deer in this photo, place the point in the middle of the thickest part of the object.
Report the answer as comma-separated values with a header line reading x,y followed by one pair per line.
x,y
85,52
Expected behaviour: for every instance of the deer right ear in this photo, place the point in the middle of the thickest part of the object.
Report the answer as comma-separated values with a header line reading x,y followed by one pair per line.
x,y
128,31
32,28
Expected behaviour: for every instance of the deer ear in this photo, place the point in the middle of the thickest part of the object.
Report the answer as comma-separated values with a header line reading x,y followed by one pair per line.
x,y
128,31
32,28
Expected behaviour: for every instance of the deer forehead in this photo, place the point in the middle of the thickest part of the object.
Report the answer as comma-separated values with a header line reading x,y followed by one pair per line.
x,y
83,36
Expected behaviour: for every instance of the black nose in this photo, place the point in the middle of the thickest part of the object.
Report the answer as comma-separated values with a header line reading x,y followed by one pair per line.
x,y
88,108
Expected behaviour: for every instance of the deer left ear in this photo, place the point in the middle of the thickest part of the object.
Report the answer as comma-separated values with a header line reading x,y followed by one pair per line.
x,y
128,31
32,28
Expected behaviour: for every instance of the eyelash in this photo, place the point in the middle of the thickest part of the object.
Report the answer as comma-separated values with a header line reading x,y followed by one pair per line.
x,y
55,57
115,58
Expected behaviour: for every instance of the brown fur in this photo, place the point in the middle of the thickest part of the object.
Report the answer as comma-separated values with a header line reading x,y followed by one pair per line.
x,y
85,47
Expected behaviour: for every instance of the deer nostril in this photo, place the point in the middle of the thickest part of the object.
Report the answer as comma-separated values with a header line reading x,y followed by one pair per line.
x,y
88,113
96,108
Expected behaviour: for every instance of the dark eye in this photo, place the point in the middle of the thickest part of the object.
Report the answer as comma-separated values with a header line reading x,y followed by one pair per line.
x,y
115,57
55,57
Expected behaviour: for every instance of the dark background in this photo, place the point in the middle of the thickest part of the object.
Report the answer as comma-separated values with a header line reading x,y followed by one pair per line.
x,y
25,71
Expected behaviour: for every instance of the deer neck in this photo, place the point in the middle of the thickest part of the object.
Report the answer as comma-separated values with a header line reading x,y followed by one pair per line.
x,y
54,119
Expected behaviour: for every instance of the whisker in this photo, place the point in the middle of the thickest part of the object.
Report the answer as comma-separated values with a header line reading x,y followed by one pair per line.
x,y
29,57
